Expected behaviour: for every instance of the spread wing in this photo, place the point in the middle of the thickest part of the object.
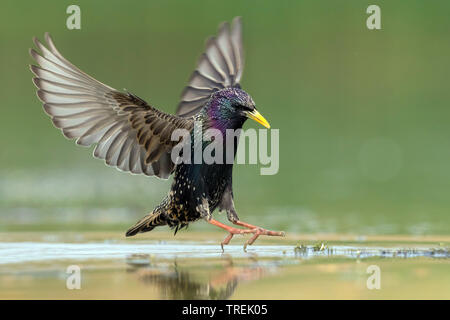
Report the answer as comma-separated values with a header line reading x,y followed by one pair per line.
x,y
221,66
128,133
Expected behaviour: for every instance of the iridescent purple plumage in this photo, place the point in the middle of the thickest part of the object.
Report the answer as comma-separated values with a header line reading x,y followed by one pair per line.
x,y
225,109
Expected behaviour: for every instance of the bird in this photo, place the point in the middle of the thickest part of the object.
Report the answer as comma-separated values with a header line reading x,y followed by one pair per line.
x,y
136,137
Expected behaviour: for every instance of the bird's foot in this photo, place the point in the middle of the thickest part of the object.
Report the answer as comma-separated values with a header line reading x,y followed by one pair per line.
x,y
260,231
232,231
256,231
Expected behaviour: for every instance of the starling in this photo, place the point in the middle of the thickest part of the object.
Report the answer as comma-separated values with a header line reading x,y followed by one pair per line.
x,y
133,136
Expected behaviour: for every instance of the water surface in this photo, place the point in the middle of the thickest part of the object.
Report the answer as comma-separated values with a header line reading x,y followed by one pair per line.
x,y
34,265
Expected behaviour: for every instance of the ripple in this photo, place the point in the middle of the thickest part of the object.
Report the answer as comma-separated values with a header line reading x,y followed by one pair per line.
x,y
22,252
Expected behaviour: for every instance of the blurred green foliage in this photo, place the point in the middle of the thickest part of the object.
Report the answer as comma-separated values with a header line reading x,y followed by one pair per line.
x,y
363,114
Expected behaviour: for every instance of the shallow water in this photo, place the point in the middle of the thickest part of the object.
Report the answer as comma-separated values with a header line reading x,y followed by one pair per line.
x,y
29,252
35,265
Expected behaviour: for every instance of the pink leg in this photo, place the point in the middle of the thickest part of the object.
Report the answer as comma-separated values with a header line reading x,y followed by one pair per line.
x,y
257,231
232,231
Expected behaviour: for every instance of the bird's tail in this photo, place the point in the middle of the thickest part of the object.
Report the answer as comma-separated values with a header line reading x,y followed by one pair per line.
x,y
147,223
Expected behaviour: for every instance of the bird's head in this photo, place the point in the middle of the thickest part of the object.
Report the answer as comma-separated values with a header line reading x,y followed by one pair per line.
x,y
229,108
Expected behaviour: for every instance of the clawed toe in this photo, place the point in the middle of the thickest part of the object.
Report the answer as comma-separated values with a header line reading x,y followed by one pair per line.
x,y
256,233
233,231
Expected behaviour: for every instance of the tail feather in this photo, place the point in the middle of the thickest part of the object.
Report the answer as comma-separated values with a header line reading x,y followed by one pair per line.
x,y
147,223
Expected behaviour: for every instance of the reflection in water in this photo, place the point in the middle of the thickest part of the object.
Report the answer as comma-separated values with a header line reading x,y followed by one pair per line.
x,y
180,285
219,278
175,281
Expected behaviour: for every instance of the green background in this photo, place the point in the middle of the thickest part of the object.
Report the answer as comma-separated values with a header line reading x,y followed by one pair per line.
x,y
363,114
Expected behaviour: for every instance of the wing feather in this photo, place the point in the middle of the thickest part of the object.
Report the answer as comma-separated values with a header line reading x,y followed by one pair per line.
x,y
220,67
127,132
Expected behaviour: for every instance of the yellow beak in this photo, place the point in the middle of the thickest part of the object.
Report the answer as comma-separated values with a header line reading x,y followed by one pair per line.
x,y
255,115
